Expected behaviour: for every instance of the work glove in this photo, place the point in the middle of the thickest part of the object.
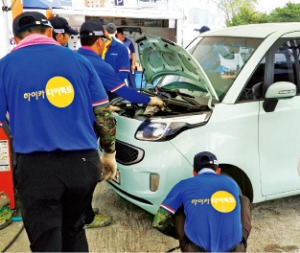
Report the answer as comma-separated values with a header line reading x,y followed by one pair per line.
x,y
114,108
155,101
109,165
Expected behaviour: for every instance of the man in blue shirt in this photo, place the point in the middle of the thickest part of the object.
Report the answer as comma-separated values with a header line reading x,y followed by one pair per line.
x,y
61,30
131,50
212,210
116,55
92,48
52,113
93,43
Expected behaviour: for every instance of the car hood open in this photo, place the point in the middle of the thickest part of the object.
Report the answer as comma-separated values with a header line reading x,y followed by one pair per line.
x,y
160,57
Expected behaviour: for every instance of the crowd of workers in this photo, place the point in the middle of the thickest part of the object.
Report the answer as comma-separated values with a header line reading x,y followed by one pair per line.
x,y
59,112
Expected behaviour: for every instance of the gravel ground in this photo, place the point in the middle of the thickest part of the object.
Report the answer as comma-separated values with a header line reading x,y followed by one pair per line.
x,y
275,228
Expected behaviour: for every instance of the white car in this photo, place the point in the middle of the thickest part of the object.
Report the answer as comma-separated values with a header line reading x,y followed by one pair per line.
x,y
233,92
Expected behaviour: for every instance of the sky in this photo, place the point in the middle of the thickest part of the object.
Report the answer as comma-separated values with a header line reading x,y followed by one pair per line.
x,y
267,6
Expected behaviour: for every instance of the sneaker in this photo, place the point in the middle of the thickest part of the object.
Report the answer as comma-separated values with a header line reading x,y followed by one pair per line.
x,y
99,221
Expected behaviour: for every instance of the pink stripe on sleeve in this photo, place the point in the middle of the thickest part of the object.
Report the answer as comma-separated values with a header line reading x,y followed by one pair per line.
x,y
168,208
102,102
118,87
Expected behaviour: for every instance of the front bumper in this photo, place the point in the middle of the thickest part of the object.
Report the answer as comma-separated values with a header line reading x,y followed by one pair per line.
x,y
161,159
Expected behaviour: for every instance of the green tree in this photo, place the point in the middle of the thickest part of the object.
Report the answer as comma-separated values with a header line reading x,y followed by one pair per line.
x,y
289,13
247,16
233,7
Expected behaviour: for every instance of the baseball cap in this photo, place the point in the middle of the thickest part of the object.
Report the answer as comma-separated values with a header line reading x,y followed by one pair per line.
x,y
29,19
204,159
203,29
61,25
111,28
91,28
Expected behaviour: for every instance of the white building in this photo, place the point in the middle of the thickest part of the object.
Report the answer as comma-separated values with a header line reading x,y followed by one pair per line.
x,y
173,19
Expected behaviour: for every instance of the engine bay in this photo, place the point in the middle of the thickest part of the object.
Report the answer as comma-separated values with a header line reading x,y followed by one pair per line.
x,y
176,102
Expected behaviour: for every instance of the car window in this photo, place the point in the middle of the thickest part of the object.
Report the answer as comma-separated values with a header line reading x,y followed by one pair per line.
x,y
285,60
222,58
285,67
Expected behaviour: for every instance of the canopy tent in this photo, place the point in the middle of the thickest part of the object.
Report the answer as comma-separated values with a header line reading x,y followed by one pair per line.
x,y
46,4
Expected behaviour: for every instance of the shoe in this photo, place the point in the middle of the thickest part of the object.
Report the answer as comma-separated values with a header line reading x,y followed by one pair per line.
x,y
99,221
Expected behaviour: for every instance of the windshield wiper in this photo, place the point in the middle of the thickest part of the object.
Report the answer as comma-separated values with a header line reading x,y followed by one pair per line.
x,y
186,97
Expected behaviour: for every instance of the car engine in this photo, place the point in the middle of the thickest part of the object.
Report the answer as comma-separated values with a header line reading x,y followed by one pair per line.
x,y
176,103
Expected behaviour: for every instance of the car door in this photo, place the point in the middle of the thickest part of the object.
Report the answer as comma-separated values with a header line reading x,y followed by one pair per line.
x,y
279,130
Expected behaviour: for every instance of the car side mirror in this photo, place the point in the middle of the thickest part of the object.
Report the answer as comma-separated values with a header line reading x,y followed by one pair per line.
x,y
281,90
276,91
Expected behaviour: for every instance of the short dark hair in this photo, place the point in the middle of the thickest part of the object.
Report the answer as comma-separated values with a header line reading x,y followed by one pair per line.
x,y
120,30
88,41
90,31
29,19
33,29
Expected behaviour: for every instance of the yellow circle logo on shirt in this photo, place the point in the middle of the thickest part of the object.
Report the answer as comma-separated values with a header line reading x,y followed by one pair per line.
x,y
60,92
223,201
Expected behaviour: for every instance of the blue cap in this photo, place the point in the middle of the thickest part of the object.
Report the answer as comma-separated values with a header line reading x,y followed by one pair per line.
x,y
61,25
203,29
205,159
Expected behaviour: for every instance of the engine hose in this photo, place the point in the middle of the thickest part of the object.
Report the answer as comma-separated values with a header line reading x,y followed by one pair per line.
x,y
13,240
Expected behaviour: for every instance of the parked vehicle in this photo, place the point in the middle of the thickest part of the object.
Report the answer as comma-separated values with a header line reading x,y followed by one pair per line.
x,y
233,92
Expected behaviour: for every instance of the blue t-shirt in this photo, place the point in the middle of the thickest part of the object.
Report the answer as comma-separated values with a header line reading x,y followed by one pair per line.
x,y
117,57
49,92
212,208
110,80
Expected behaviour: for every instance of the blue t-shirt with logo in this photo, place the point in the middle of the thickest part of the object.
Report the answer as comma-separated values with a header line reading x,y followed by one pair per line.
x,y
49,92
110,80
212,208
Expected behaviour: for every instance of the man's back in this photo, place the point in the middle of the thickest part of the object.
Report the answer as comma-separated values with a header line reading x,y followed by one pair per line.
x,y
117,57
53,97
212,209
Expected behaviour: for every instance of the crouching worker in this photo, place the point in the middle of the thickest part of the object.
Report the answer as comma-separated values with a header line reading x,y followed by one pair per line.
x,y
206,213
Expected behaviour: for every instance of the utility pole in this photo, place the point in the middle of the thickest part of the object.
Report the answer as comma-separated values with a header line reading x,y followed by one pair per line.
x,y
4,32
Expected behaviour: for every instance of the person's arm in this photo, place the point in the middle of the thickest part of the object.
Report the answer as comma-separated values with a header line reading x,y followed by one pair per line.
x,y
132,95
163,222
105,124
113,83
135,97
105,128
133,62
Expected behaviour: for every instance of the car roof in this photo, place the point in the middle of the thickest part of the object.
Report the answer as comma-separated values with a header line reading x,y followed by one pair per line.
x,y
256,30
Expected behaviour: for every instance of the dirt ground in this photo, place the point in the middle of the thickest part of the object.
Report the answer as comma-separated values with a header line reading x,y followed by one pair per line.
x,y
275,228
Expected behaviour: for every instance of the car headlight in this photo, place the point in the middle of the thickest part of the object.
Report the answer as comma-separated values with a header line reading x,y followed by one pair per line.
x,y
165,129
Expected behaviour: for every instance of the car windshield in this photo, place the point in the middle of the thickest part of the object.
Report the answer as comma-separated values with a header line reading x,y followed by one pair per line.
x,y
221,58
